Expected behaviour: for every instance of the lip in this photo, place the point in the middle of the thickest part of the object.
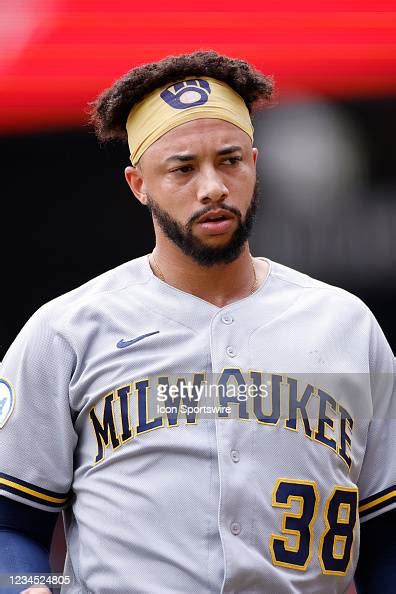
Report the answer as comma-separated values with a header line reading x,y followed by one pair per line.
x,y
217,227
220,212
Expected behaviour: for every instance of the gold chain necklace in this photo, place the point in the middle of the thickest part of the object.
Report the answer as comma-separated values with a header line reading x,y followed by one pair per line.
x,y
158,272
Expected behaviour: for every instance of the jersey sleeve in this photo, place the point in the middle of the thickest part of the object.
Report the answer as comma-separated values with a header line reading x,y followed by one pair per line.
x,y
37,436
377,480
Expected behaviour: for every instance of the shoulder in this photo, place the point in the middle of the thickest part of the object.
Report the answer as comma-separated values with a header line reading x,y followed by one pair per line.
x,y
330,306
314,291
90,297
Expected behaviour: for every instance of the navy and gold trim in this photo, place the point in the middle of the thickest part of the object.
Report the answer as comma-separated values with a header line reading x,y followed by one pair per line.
x,y
31,492
377,502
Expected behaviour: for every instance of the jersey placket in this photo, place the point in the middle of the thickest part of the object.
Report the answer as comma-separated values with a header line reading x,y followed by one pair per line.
x,y
229,351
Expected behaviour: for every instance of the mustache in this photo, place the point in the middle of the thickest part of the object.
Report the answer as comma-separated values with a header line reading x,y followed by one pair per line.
x,y
197,215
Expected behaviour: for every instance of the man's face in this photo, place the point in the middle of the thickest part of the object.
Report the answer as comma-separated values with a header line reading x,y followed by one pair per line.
x,y
204,168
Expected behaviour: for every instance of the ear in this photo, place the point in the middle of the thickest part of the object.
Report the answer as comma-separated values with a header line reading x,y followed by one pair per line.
x,y
135,181
255,155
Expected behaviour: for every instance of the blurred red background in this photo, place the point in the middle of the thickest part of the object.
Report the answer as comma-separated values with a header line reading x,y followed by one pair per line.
x,y
58,54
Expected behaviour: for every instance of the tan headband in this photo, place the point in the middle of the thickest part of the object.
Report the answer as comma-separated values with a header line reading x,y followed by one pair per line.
x,y
173,105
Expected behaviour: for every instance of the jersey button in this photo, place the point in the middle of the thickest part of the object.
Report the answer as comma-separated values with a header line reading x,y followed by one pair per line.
x,y
235,456
235,528
227,319
231,352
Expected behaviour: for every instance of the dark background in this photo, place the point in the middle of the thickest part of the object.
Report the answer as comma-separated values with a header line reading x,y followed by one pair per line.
x,y
68,215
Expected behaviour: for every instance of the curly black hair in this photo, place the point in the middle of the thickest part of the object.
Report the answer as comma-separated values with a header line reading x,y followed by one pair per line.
x,y
110,111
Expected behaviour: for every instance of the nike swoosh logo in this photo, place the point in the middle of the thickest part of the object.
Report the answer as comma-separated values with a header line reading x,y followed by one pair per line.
x,y
121,344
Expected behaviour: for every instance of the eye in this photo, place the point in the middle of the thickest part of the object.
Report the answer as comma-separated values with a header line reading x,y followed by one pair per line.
x,y
183,169
232,160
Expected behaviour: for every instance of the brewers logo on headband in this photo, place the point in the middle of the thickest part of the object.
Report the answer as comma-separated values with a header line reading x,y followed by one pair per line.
x,y
181,102
188,93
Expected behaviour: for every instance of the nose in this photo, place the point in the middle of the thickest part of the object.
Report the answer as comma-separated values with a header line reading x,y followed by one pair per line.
x,y
211,187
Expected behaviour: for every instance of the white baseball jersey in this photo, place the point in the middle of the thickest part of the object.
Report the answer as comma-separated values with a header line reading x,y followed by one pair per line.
x,y
202,449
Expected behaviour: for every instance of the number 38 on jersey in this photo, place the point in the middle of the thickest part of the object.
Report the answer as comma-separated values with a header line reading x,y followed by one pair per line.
x,y
292,547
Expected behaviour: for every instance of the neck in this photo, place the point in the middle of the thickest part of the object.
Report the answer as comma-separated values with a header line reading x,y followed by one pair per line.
x,y
219,284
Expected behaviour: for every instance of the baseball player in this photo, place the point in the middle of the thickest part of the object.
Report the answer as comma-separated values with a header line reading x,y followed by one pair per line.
x,y
207,421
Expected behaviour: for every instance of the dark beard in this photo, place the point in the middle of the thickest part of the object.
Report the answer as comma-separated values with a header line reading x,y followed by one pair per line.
x,y
192,246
